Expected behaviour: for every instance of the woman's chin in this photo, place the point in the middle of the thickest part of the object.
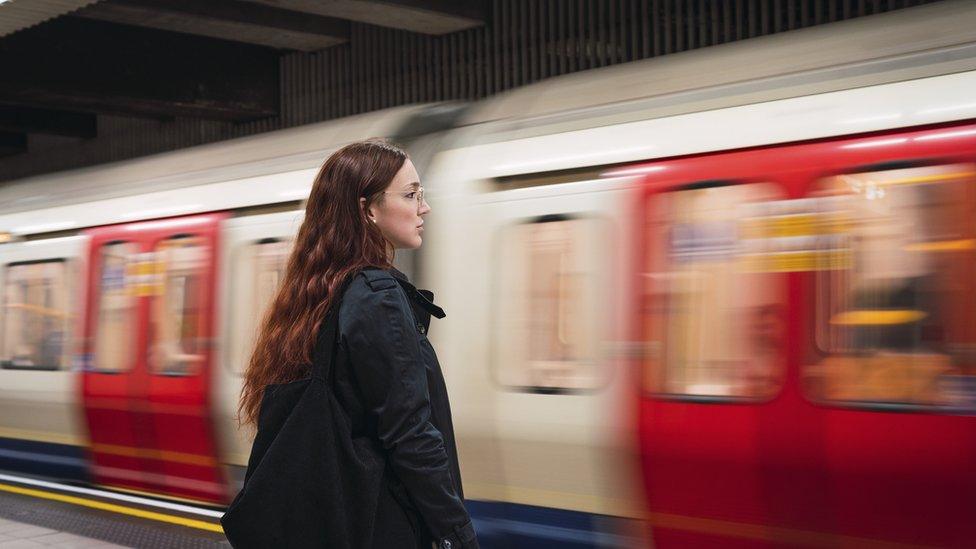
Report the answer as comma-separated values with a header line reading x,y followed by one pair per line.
x,y
412,245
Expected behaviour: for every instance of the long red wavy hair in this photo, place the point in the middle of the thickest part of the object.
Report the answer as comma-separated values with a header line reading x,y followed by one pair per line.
x,y
335,241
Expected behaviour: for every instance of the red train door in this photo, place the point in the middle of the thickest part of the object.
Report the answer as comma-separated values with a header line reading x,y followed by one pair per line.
x,y
716,332
887,353
146,357
810,374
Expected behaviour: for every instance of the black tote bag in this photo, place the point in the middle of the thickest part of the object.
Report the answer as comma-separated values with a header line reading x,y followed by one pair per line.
x,y
308,483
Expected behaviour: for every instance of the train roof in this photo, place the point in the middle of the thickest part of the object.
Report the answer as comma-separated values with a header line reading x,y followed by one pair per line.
x,y
289,150
859,52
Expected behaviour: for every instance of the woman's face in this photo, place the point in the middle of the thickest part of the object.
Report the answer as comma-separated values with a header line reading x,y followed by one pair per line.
x,y
398,214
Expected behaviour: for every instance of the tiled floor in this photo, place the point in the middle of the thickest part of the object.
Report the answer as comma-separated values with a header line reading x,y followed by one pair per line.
x,y
17,535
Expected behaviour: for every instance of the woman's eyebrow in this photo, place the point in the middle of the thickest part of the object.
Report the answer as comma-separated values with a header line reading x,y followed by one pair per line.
x,y
414,185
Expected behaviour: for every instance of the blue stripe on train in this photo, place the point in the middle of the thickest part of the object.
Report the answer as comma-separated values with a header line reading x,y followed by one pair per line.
x,y
513,525
60,461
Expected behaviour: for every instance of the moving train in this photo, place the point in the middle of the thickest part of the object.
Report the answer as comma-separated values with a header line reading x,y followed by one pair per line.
x,y
719,298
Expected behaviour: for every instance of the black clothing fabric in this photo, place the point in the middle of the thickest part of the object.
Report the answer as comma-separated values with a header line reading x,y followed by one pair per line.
x,y
391,386
309,482
362,454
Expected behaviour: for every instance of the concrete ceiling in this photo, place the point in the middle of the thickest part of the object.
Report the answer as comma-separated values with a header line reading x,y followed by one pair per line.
x,y
66,61
305,25
423,16
17,15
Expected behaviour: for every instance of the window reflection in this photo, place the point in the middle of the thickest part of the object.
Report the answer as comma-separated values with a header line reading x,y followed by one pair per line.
x,y
897,326
36,312
714,314
549,325
177,345
262,268
113,332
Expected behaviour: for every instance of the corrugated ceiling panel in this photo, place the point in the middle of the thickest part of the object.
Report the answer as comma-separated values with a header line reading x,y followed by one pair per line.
x,y
523,41
16,15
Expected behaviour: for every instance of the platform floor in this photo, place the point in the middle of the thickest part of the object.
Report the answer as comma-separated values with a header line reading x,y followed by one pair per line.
x,y
34,517
21,535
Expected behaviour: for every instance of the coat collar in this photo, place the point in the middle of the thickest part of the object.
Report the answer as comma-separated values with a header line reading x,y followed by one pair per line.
x,y
424,298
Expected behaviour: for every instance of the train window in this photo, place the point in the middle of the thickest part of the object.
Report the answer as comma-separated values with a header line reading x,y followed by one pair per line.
x,y
897,326
548,323
713,310
116,309
36,309
177,346
260,267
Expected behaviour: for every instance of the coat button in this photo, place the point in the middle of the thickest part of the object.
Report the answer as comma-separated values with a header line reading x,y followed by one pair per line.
x,y
421,328
446,544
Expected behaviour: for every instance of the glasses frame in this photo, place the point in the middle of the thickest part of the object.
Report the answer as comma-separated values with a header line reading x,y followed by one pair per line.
x,y
419,199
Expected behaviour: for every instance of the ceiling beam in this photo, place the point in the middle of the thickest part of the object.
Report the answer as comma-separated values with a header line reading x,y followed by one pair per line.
x,y
91,66
227,20
12,143
423,16
50,122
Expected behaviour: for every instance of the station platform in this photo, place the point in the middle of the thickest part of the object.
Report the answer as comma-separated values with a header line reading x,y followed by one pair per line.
x,y
36,514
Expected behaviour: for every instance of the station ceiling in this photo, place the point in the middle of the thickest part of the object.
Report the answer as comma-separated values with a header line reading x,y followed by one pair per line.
x,y
66,61
87,82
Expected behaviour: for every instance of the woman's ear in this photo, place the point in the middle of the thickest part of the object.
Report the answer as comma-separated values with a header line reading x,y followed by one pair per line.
x,y
362,206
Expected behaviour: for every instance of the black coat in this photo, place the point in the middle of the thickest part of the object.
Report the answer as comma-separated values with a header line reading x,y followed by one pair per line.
x,y
389,382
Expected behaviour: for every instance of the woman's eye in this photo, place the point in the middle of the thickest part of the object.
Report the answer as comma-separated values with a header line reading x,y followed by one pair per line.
x,y
412,195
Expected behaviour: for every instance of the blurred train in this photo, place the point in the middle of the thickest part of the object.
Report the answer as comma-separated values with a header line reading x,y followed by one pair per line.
x,y
720,298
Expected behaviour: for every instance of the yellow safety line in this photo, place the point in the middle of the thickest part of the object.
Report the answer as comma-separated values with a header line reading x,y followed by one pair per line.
x,y
155,495
74,500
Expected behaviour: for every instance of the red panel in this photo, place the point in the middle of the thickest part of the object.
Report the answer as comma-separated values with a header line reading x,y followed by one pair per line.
x,y
149,430
791,469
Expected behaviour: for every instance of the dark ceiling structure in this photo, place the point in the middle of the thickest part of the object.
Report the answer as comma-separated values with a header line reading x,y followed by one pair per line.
x,y
85,82
211,60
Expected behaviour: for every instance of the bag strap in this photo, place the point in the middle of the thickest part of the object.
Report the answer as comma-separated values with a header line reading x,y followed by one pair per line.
x,y
323,356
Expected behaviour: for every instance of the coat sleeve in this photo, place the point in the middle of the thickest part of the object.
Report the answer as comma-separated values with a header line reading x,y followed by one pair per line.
x,y
384,349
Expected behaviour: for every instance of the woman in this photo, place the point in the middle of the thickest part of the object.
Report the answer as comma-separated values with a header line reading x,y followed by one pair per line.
x,y
366,203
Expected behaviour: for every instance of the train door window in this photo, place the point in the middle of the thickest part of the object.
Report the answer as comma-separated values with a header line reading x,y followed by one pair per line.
x,y
898,326
36,309
114,335
261,268
548,320
714,309
177,346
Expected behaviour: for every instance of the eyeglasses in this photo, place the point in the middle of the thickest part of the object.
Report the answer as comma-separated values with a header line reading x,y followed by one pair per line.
x,y
417,196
